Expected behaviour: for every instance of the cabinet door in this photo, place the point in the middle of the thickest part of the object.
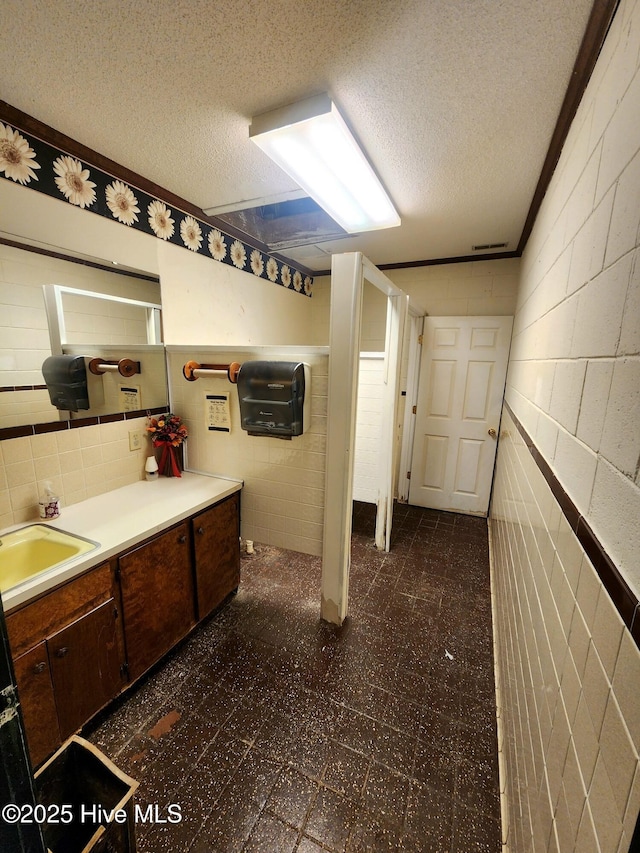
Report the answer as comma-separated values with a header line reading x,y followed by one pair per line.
x,y
216,534
85,666
35,692
157,597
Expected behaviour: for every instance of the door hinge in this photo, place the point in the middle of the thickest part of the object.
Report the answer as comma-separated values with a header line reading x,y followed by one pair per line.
x,y
420,340
408,475
414,409
116,573
124,670
115,613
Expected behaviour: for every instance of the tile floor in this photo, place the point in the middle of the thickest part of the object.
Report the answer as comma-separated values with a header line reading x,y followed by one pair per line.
x,y
277,732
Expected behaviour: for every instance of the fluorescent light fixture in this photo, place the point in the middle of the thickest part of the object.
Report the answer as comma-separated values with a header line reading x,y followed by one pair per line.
x,y
311,142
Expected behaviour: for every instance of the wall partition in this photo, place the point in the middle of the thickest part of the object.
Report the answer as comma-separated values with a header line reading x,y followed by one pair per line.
x,y
348,274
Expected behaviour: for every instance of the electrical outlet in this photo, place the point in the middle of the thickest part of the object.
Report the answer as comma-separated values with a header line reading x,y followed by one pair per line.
x,y
135,440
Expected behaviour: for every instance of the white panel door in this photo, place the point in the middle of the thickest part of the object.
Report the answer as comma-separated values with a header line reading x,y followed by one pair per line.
x,y
462,375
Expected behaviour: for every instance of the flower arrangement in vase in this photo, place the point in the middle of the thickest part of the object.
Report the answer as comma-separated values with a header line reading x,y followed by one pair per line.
x,y
167,435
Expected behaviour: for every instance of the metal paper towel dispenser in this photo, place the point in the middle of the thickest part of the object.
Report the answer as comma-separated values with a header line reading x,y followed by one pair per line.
x,y
66,378
272,397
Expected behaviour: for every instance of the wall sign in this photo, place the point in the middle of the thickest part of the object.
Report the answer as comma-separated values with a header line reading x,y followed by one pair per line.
x,y
129,398
218,414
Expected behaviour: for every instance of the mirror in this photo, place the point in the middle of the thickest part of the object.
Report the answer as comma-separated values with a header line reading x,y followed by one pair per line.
x,y
128,373
94,327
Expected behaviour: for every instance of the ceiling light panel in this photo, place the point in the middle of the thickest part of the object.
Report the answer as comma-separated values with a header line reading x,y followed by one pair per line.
x,y
311,142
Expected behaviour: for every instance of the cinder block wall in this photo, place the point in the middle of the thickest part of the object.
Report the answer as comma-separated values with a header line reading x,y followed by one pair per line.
x,y
569,665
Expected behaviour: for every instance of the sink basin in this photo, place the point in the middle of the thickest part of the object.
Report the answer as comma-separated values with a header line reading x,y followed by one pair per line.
x,y
33,549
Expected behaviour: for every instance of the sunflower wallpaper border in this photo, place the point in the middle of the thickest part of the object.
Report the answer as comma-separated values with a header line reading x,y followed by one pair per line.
x,y
27,160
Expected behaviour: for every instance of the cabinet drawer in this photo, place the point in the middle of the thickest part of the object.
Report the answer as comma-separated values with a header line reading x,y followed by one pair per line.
x,y
28,625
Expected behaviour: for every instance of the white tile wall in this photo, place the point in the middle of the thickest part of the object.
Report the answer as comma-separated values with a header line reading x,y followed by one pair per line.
x,y
283,495
107,322
80,463
25,407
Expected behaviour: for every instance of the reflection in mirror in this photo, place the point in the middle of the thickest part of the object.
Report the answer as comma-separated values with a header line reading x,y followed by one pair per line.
x,y
110,392
24,334
128,329
84,316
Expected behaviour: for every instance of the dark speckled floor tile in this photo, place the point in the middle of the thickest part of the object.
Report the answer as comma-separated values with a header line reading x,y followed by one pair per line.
x,y
346,770
270,834
292,797
274,731
370,832
386,794
331,819
228,827
308,845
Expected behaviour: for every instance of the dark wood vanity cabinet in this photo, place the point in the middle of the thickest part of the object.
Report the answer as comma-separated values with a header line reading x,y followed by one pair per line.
x,y
68,653
216,538
157,597
77,647
176,579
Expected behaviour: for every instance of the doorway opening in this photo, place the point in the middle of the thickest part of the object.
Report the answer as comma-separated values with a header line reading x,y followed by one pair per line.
x,y
348,275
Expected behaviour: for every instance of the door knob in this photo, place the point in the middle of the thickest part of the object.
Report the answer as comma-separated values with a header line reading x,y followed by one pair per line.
x,y
492,432
60,653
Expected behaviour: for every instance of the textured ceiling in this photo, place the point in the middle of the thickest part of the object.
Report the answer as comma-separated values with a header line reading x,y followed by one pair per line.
x,y
454,101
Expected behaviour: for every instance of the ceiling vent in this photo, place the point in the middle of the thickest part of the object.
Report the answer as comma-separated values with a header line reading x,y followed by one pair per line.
x,y
286,224
483,246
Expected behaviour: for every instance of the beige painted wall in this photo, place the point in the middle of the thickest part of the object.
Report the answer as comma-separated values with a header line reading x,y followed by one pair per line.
x,y
569,668
212,304
480,288
483,288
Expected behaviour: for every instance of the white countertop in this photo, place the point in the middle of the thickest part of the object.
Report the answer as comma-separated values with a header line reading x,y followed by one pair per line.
x,y
119,519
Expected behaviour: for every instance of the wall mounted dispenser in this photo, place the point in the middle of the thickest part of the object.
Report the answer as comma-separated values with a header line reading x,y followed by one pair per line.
x,y
272,397
66,379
